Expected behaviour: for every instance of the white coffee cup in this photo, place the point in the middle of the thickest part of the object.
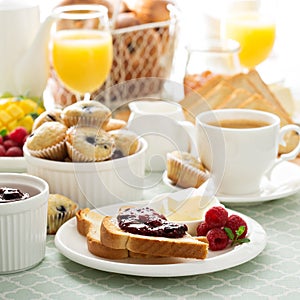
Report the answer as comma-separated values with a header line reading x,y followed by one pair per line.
x,y
163,126
239,158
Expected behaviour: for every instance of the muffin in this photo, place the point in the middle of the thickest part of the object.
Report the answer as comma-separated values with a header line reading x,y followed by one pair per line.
x,y
86,113
185,170
53,115
60,209
114,124
126,142
48,141
87,144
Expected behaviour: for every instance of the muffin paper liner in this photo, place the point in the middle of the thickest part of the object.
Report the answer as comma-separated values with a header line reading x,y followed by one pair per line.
x,y
56,152
77,156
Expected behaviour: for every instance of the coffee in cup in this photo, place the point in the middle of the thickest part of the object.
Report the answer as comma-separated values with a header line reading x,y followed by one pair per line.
x,y
240,146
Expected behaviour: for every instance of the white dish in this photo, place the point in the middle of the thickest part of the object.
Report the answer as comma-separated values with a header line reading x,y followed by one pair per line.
x,y
12,164
93,184
73,245
284,181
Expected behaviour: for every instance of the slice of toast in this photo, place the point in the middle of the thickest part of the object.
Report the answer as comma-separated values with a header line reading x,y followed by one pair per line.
x,y
196,97
241,81
266,92
88,224
212,98
258,102
186,247
233,100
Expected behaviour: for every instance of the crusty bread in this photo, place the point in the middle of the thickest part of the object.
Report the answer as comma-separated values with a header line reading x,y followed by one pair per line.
x,y
187,247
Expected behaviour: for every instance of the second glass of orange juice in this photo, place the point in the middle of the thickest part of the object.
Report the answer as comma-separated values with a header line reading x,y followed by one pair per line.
x,y
253,29
81,48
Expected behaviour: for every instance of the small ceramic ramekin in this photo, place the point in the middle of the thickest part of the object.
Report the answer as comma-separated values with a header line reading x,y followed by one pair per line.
x,y
23,223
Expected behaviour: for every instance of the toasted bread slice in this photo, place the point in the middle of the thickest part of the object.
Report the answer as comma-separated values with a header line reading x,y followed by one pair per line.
x,y
212,98
260,103
233,100
265,91
88,224
241,81
196,97
187,247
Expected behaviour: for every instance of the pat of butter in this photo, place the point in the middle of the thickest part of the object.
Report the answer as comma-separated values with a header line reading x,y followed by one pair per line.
x,y
190,209
284,96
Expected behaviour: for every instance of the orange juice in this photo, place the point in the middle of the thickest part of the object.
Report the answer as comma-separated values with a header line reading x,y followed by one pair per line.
x,y
82,58
255,35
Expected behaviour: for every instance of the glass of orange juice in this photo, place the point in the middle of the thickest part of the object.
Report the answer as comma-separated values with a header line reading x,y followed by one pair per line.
x,y
252,24
81,48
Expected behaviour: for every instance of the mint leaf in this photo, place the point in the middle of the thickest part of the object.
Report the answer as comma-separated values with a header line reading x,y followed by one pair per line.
x,y
240,231
235,238
229,233
241,241
3,132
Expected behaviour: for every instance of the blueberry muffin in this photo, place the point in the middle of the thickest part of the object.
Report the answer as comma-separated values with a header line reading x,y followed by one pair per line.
x,y
87,144
52,115
48,141
185,170
60,209
86,113
126,142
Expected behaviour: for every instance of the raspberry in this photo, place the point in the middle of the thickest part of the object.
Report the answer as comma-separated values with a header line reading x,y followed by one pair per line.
x,y
216,217
217,239
1,139
234,222
18,135
202,229
2,150
14,151
9,143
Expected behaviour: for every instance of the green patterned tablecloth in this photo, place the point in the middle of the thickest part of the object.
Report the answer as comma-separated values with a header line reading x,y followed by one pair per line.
x,y
274,274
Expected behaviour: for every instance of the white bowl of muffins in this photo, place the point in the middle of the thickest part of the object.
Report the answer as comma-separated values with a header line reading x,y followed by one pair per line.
x,y
23,221
87,156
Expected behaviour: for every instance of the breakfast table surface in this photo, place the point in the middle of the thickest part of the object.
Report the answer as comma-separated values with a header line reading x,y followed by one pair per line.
x,y
272,274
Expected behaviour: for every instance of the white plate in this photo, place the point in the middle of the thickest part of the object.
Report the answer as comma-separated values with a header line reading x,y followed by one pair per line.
x,y
284,181
73,245
12,164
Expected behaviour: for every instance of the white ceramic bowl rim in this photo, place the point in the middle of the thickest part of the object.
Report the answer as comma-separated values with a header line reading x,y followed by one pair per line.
x,y
85,166
28,180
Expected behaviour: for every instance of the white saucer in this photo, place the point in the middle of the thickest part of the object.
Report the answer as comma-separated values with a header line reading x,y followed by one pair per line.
x,y
284,181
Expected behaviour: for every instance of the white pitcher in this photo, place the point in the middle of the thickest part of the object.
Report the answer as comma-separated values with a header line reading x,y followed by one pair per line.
x,y
24,62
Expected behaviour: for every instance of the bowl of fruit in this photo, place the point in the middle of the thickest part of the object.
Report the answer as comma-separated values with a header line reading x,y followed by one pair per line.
x,y
17,115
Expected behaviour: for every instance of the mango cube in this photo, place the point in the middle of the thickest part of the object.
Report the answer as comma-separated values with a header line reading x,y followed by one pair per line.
x,y
26,122
5,117
15,111
28,106
12,125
